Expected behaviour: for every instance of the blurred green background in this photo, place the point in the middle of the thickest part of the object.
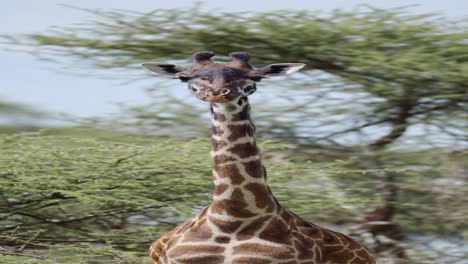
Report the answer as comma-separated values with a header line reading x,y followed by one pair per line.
x,y
370,139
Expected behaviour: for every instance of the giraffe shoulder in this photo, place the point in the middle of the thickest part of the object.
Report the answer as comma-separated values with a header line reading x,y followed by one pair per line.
x,y
339,247
159,248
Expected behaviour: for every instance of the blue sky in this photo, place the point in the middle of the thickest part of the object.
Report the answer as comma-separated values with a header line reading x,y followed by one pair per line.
x,y
27,80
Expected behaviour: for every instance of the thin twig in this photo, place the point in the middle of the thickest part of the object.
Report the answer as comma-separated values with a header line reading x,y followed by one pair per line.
x,y
127,157
21,255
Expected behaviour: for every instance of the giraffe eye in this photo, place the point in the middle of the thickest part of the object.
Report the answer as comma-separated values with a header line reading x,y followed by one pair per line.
x,y
193,89
249,89
256,79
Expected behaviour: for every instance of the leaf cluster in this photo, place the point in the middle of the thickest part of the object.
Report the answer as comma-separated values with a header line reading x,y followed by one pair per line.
x,y
82,194
386,64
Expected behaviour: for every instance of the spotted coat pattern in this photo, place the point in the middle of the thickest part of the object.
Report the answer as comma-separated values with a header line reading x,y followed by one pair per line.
x,y
245,224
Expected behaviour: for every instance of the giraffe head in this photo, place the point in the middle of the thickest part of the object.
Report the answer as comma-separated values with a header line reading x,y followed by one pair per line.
x,y
222,82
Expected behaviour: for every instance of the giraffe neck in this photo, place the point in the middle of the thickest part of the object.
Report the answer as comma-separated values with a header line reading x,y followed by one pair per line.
x,y
239,178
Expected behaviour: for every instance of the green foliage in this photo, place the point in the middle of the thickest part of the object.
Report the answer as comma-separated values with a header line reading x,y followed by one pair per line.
x,y
80,195
16,114
83,195
73,167
393,69
100,192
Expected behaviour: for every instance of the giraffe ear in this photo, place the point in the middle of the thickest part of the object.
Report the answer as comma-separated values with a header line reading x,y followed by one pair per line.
x,y
165,69
280,69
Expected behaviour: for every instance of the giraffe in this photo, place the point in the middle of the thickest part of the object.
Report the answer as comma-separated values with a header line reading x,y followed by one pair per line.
x,y
244,222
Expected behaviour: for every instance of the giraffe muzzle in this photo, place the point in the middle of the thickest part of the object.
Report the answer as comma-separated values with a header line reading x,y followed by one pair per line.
x,y
220,96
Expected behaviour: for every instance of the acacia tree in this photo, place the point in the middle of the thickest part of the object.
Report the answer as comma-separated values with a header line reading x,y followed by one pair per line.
x,y
17,114
410,69
377,73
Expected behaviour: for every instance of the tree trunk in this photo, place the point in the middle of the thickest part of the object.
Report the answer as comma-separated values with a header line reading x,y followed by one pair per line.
x,y
383,214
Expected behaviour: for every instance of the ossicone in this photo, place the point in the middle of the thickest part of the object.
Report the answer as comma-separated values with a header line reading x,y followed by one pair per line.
x,y
240,59
203,57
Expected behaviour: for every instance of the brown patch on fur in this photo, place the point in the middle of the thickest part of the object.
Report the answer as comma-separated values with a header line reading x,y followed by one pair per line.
x,y
248,231
337,256
221,188
217,144
240,131
201,259
222,239
184,227
217,131
304,245
309,229
254,168
172,241
228,227
313,232
250,260
244,150
195,249
262,195
287,217
276,232
242,115
234,206
201,233
338,246
222,159
258,249
231,171
219,117
197,225
330,239
155,249
351,244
